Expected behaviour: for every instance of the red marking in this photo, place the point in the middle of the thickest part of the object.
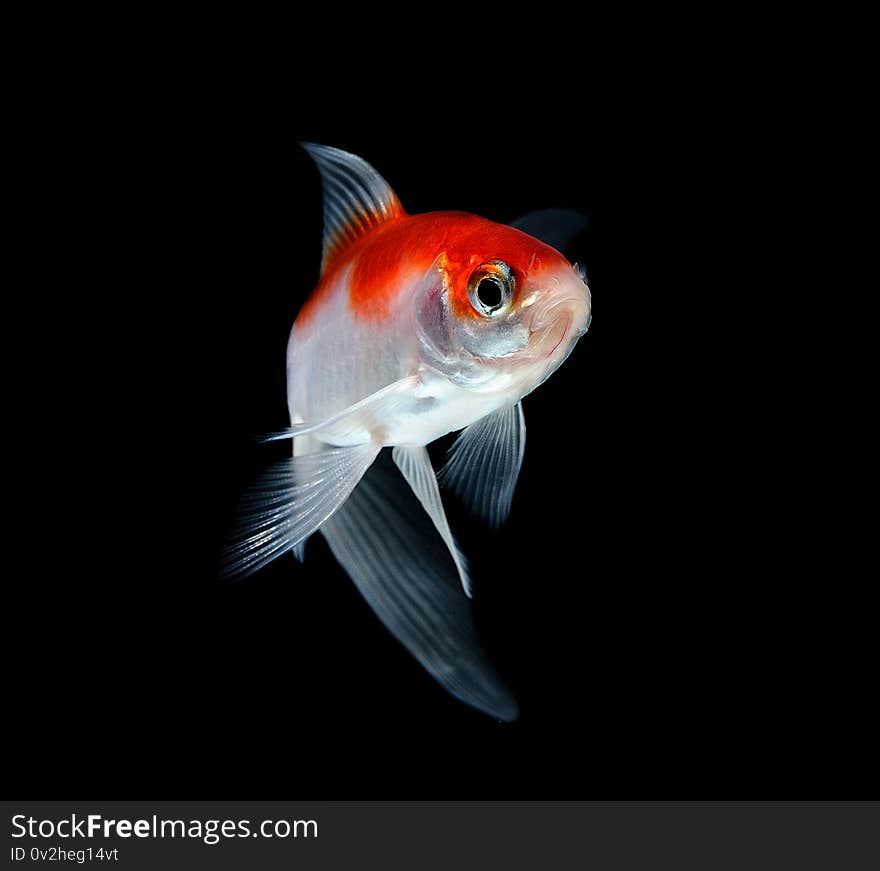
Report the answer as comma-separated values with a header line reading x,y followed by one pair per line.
x,y
360,224
406,243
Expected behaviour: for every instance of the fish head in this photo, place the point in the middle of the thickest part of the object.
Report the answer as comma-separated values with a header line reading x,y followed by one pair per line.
x,y
503,310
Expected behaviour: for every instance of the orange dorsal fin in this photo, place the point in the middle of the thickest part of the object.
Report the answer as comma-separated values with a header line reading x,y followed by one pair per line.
x,y
356,199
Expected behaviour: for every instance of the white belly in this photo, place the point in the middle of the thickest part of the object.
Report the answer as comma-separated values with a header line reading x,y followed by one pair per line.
x,y
437,407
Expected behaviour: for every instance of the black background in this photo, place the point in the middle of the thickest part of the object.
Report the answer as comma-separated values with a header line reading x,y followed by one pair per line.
x,y
645,649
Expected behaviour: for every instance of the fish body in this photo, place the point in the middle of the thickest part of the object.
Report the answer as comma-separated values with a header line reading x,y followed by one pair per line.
x,y
421,325
360,332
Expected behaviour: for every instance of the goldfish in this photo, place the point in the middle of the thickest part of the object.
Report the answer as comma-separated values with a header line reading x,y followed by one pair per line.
x,y
421,325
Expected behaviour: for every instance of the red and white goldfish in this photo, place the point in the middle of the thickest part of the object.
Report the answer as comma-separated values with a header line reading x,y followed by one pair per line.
x,y
421,325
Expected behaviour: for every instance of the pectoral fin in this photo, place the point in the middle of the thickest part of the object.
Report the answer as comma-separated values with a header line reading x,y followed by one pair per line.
x,y
484,463
356,417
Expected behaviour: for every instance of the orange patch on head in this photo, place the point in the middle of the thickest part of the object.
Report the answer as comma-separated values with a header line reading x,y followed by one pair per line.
x,y
382,257
481,241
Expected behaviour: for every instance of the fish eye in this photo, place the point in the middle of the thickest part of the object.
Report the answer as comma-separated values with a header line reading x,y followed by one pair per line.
x,y
490,288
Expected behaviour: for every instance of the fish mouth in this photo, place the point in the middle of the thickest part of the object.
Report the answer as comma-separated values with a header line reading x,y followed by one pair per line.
x,y
566,318
556,332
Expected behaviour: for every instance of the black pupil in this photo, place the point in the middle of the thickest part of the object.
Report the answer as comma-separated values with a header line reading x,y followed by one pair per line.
x,y
490,293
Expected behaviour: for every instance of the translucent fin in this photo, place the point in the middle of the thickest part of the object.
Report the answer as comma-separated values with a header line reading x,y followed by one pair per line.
x,y
299,551
557,227
484,463
290,501
415,466
403,569
356,198
356,416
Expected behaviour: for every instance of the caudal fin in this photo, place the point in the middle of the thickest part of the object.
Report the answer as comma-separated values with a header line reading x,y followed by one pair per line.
x,y
391,550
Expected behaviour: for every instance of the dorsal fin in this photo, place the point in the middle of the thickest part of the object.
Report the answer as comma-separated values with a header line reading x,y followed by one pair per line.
x,y
356,198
